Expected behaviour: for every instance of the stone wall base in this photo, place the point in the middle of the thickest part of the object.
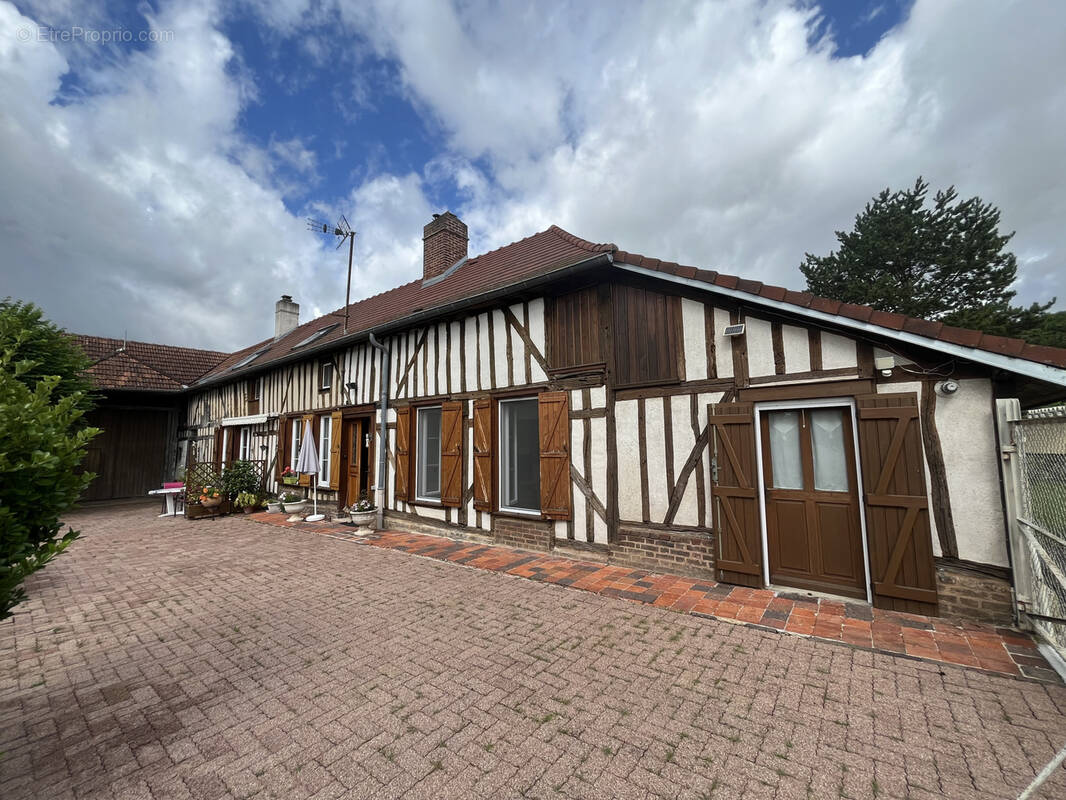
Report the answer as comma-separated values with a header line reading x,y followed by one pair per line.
x,y
972,595
531,534
675,552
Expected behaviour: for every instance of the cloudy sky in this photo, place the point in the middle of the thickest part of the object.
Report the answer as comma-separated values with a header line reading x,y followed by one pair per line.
x,y
158,186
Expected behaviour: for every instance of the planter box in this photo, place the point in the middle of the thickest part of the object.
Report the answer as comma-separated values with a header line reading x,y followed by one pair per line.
x,y
197,511
294,481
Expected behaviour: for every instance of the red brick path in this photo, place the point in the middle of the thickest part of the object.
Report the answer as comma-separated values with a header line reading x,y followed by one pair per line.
x,y
973,645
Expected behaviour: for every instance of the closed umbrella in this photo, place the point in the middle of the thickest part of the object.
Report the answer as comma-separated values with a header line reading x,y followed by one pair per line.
x,y
307,463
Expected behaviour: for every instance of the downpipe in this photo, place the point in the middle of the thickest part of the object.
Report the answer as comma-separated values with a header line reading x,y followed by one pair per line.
x,y
379,487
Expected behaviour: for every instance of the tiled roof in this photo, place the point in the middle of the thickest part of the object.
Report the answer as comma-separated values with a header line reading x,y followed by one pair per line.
x,y
535,255
554,249
143,366
1002,345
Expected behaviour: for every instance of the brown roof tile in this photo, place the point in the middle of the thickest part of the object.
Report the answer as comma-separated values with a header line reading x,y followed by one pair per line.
x,y
119,364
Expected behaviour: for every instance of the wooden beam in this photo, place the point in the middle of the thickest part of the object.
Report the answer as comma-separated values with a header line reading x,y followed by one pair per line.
x,y
938,478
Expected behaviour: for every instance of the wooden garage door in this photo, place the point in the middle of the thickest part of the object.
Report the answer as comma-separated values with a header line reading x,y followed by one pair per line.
x,y
897,506
129,454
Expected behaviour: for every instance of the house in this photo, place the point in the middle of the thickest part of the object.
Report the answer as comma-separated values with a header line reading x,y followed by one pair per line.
x,y
559,394
140,411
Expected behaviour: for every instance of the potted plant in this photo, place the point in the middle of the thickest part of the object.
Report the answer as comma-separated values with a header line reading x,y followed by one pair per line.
x,y
273,505
363,512
292,503
238,477
290,477
210,497
248,501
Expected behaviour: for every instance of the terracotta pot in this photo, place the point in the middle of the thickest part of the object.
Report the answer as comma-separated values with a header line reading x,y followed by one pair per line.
x,y
249,509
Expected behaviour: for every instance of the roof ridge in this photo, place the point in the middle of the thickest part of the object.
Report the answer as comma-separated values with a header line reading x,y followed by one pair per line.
x,y
146,344
593,247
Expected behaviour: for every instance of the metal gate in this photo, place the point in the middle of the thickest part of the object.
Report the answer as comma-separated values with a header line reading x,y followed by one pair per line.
x,y
1033,446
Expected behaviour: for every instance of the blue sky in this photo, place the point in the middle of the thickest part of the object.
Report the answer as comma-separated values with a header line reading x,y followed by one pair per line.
x,y
159,188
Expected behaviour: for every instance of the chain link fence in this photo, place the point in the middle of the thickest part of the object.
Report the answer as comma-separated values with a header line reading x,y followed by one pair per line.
x,y
1040,438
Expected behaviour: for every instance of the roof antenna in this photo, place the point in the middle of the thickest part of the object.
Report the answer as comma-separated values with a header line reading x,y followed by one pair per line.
x,y
341,230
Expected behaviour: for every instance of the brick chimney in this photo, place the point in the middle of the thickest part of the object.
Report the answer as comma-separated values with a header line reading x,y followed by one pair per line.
x,y
443,244
286,316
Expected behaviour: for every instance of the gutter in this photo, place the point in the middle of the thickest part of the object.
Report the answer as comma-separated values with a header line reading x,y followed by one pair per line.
x,y
383,445
1019,366
599,259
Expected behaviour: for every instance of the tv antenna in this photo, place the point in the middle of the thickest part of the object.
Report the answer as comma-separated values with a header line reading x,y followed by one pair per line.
x,y
342,230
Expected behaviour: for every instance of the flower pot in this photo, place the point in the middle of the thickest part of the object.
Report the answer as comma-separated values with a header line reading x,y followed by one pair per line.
x,y
211,502
364,519
293,508
274,508
248,509
293,481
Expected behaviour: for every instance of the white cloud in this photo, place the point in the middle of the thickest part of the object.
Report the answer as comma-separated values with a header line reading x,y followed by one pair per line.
x,y
714,134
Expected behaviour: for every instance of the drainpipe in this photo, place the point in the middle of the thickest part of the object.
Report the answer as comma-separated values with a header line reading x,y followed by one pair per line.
x,y
379,489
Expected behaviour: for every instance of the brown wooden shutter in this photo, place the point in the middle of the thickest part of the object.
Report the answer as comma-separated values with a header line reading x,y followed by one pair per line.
x,y
219,435
335,422
403,453
451,454
554,419
897,506
734,495
305,480
283,448
483,449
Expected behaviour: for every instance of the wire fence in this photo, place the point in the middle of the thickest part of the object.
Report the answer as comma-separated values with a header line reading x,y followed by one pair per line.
x,y
1040,438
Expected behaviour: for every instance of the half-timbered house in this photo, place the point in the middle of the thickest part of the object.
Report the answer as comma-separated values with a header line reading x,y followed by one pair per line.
x,y
562,394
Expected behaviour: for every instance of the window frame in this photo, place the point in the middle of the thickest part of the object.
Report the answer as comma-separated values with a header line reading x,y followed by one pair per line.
x,y
325,452
244,443
501,457
417,461
325,375
295,423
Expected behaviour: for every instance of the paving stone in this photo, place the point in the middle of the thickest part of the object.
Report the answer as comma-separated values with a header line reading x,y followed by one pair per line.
x,y
232,659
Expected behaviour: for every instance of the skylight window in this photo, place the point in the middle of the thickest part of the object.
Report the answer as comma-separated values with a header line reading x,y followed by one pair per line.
x,y
314,337
244,362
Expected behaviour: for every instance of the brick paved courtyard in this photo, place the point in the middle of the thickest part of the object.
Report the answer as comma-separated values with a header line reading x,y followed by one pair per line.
x,y
164,658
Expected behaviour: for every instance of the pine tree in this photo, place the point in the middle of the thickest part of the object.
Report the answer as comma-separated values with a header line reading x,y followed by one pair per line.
x,y
947,262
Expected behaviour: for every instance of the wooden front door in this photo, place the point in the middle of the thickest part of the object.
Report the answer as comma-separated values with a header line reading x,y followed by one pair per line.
x,y
813,532
356,461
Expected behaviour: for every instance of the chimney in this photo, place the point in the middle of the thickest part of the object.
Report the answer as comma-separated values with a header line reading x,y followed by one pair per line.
x,y
286,316
443,244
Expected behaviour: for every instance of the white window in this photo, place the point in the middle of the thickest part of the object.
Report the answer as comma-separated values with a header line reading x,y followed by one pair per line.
x,y
325,432
519,456
427,456
294,450
244,452
325,375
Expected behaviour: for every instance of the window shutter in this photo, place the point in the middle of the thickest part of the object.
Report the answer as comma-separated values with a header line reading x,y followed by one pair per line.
x,y
483,461
403,453
305,480
451,454
219,434
335,450
283,448
554,419
734,495
897,506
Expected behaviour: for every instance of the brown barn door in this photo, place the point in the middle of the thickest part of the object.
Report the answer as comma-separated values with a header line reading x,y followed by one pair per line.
x,y
897,506
734,496
813,531
451,454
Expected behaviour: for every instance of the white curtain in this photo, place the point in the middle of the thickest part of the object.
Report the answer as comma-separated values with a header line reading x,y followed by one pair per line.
x,y
785,450
830,455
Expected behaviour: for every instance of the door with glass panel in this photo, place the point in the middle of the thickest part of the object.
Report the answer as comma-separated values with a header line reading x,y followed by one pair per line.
x,y
813,532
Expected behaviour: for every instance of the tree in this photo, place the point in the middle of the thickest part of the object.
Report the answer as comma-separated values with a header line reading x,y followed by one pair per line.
x,y
43,441
32,338
948,263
